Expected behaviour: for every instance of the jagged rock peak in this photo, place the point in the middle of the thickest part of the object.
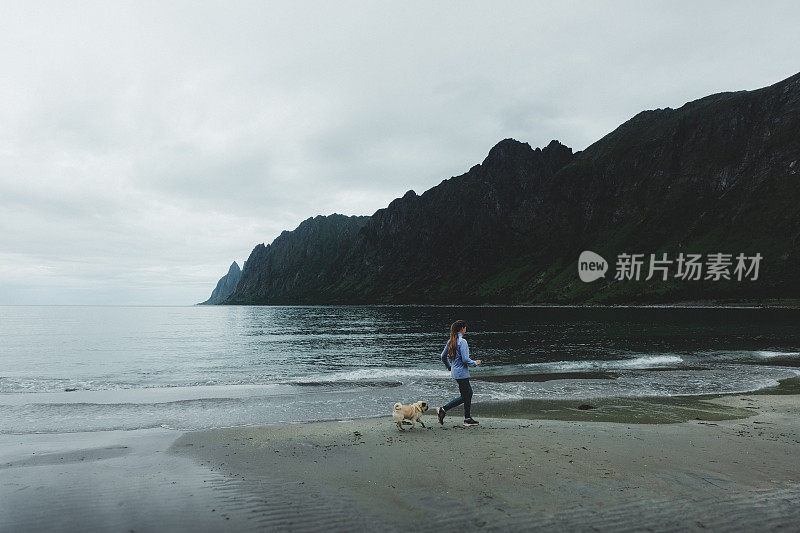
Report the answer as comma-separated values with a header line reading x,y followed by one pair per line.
x,y
510,150
506,149
556,145
226,285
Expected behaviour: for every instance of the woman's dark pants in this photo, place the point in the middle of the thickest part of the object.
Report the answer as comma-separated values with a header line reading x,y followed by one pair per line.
x,y
466,397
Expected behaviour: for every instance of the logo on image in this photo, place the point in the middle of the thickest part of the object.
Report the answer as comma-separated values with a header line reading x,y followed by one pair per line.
x,y
591,266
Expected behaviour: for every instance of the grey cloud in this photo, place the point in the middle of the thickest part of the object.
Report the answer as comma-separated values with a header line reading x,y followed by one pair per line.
x,y
143,145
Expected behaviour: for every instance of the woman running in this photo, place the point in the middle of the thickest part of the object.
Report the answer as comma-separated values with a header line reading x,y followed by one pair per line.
x,y
456,358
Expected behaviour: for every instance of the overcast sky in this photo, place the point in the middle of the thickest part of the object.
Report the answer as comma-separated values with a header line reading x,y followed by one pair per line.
x,y
144,146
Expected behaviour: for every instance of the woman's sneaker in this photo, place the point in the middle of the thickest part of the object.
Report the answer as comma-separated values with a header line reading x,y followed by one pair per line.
x,y
470,422
440,412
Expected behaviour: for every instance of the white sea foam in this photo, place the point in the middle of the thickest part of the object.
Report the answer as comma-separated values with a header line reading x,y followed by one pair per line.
x,y
372,374
766,354
731,379
646,361
744,355
641,362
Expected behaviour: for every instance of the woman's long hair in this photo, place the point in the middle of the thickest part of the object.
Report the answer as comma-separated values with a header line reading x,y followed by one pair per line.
x,y
452,344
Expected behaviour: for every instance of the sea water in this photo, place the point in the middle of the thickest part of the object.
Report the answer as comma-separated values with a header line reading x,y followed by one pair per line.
x,y
200,367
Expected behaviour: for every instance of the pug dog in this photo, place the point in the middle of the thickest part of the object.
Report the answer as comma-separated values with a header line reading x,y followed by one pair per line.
x,y
411,412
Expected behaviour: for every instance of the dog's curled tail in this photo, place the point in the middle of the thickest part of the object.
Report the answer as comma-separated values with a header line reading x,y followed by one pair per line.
x,y
397,406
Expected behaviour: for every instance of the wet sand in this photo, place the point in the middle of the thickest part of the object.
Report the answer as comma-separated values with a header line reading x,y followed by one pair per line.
x,y
109,481
512,474
705,471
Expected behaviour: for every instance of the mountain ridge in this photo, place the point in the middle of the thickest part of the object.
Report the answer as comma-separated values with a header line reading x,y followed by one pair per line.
x,y
714,175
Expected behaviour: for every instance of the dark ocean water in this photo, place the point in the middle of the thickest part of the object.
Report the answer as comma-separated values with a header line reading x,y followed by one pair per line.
x,y
202,367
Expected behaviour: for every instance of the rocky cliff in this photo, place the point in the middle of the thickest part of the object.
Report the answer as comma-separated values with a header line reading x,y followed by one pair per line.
x,y
225,285
719,174
298,266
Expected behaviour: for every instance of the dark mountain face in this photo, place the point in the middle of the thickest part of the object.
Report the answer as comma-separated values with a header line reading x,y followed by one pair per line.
x,y
225,285
447,241
299,265
720,174
717,175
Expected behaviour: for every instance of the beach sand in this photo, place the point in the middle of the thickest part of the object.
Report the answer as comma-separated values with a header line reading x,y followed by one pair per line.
x,y
507,474
513,474
109,481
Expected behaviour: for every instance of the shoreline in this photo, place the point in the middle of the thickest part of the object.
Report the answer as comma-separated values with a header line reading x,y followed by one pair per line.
x,y
765,303
512,474
778,303
725,462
